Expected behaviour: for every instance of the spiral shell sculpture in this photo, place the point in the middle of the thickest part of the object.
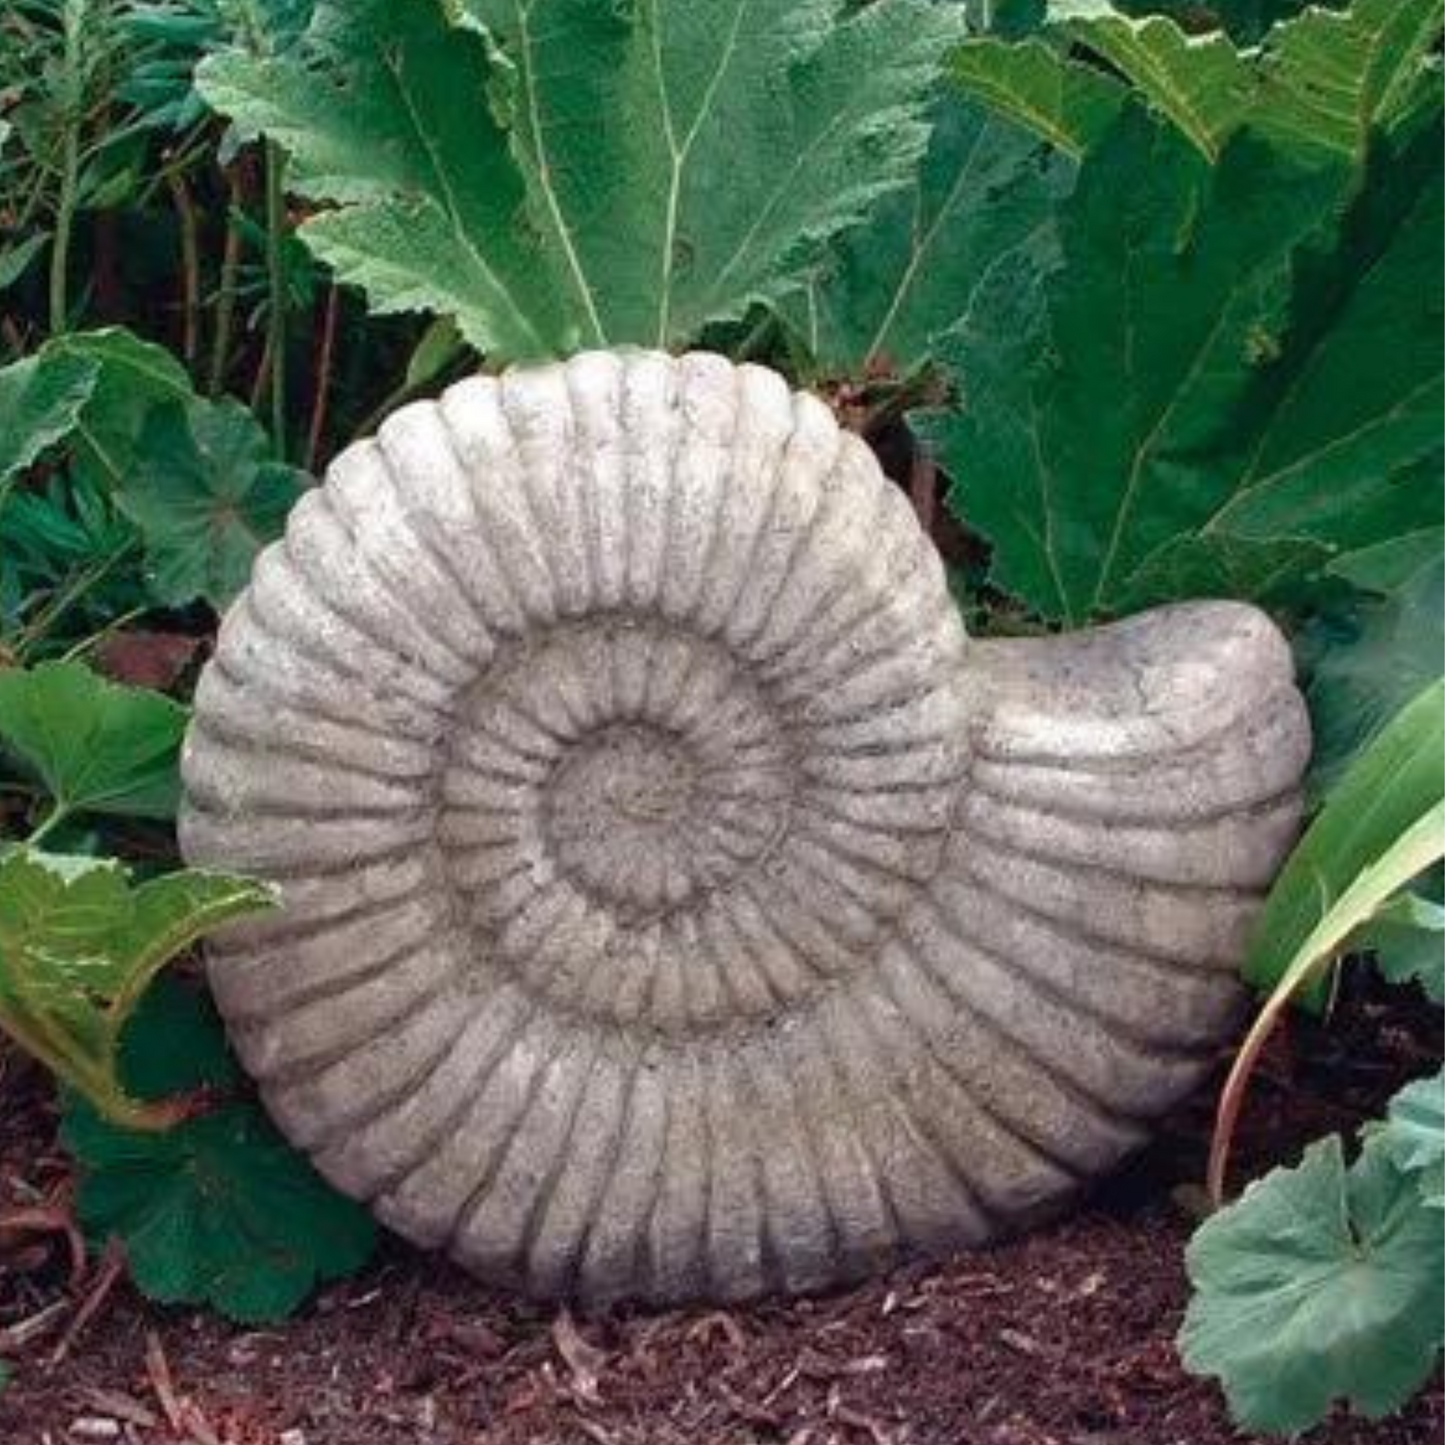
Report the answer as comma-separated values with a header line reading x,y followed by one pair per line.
x,y
677,904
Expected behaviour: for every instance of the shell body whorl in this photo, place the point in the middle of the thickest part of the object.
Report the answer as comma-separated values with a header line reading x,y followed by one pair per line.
x,y
677,903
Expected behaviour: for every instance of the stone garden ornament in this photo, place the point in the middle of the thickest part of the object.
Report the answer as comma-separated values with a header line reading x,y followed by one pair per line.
x,y
677,903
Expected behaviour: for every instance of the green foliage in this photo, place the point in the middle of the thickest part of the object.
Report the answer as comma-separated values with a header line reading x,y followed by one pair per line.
x,y
172,36
1334,79
1413,1135
1323,84
1215,388
207,498
1383,655
79,944
596,200
1407,939
131,376
1322,1282
1200,82
1395,782
984,193
1034,84
40,401
218,1210
151,464
95,746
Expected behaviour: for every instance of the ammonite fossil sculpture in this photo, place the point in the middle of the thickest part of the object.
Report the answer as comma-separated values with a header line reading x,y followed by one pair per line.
x,y
677,903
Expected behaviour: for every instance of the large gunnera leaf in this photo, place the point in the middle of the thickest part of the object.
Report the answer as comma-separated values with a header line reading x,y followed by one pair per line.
x,y
1218,388
558,173
884,291
1320,1283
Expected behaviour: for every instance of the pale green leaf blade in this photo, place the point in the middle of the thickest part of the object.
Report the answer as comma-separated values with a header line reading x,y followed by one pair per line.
x,y
40,401
1033,84
1395,783
168,914
384,108
96,746
632,154
918,265
206,497
1318,1283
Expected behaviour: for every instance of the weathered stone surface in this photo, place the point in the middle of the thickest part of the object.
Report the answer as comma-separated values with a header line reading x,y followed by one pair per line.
x,y
678,904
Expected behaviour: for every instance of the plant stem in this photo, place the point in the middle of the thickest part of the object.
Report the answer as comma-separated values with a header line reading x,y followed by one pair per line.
x,y
53,819
69,171
61,601
323,375
226,295
276,285
116,624
190,266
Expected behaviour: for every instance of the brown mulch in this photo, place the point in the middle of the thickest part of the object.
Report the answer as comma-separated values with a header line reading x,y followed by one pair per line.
x,y
1063,1338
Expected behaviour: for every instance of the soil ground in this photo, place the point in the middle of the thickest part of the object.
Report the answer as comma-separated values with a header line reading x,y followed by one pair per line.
x,y
1062,1338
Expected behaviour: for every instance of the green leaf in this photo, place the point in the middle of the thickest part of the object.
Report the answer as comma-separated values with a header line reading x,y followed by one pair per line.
x,y
1320,1283
1361,680
1388,789
884,291
1104,443
15,260
1413,1135
1339,425
631,161
1386,567
98,747
1246,20
207,497
1034,85
1332,77
175,1043
606,205
218,1210
383,109
40,400
1199,81
441,343
1407,937
131,376
1212,372
79,945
